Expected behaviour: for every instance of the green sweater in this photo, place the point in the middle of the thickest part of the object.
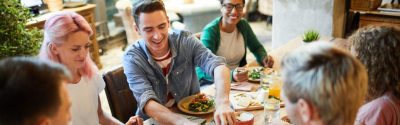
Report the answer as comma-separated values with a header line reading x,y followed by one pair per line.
x,y
210,37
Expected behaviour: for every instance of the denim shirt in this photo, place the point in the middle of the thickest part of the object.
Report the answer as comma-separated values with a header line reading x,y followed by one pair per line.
x,y
147,81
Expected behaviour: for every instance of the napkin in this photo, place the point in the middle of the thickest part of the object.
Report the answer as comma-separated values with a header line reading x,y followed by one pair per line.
x,y
243,86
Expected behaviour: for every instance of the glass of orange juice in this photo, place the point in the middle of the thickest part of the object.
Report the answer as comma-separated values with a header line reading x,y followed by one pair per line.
x,y
275,84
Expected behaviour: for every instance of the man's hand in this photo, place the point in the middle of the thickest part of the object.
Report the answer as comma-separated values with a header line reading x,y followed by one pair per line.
x,y
240,74
165,116
268,61
224,114
134,120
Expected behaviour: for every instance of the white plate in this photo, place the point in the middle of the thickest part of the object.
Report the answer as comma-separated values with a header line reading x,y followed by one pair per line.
x,y
250,70
265,70
183,105
253,98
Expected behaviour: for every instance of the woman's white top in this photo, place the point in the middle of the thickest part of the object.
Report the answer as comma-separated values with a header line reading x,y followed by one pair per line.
x,y
232,48
85,96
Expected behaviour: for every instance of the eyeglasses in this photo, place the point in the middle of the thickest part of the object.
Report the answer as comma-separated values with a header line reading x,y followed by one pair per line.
x,y
229,7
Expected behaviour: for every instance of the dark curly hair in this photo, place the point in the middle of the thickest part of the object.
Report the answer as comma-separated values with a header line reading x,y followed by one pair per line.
x,y
378,48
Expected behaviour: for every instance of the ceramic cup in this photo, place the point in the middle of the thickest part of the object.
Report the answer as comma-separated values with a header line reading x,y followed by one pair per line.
x,y
245,118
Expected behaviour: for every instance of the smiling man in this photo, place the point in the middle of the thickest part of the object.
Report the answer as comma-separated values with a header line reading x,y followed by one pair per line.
x,y
160,67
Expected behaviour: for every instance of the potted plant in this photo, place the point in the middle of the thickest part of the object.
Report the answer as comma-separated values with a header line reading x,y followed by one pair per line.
x,y
310,35
15,38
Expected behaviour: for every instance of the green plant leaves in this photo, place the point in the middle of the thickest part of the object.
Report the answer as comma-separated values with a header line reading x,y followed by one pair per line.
x,y
310,35
15,38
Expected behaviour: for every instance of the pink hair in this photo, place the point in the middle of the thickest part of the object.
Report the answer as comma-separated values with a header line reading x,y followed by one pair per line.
x,y
57,28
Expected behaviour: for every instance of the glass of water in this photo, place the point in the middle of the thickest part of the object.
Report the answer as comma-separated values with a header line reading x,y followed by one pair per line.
x,y
265,80
271,110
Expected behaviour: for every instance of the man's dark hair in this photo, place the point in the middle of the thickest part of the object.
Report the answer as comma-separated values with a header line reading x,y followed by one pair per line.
x,y
147,6
29,88
222,1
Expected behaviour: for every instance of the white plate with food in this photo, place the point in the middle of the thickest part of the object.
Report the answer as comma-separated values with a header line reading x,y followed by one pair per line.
x,y
197,104
245,101
255,73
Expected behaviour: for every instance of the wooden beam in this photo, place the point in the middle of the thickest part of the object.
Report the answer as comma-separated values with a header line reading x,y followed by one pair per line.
x,y
339,18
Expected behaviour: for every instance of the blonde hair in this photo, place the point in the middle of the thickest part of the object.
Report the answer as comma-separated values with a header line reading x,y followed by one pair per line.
x,y
57,28
327,77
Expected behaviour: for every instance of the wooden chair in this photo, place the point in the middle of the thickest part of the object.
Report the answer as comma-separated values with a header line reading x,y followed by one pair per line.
x,y
122,103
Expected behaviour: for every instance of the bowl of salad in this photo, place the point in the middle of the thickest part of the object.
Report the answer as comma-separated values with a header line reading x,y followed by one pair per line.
x,y
197,104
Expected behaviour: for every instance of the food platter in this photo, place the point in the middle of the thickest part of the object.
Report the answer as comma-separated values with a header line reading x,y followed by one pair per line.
x,y
183,104
255,73
245,101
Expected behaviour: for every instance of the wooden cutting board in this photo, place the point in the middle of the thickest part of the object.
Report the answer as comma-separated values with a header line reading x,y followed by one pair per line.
x,y
238,102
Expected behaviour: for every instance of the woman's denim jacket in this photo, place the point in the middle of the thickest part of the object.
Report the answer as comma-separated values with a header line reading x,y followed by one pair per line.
x,y
147,81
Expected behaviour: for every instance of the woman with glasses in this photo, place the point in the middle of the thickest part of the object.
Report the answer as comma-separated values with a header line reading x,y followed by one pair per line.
x,y
229,36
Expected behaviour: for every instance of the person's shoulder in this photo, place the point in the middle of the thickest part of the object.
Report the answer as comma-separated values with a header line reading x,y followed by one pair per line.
x,y
213,25
95,81
374,103
182,38
242,20
134,50
376,111
176,32
98,77
177,35
243,23
375,106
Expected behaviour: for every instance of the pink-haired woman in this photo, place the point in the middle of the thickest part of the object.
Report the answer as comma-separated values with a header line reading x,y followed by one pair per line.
x,y
66,41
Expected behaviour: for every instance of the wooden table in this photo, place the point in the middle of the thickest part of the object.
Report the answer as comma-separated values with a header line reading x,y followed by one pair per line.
x,y
210,90
87,12
258,114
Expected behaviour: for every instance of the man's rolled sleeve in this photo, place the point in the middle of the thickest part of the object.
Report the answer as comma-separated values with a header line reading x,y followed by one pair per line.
x,y
144,98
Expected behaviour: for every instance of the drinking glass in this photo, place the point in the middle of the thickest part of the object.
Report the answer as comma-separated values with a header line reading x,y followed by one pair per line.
x,y
265,80
271,110
275,84
262,95
263,92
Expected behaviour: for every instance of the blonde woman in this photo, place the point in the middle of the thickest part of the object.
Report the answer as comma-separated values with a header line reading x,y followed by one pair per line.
x,y
66,41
